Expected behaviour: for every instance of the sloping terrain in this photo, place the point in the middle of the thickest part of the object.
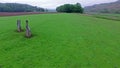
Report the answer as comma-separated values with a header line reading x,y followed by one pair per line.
x,y
104,8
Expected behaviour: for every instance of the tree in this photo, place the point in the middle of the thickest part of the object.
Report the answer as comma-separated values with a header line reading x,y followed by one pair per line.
x,y
78,8
70,8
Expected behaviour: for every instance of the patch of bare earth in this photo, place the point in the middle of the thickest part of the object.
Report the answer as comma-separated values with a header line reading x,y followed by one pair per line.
x,y
19,13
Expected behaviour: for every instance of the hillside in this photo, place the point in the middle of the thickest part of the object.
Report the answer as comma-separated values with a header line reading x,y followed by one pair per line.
x,y
16,7
113,7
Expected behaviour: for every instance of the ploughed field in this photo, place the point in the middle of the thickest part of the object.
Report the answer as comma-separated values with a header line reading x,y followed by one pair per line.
x,y
18,13
60,41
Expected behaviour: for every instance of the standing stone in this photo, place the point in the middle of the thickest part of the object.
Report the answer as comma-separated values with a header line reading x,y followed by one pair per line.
x,y
19,26
28,32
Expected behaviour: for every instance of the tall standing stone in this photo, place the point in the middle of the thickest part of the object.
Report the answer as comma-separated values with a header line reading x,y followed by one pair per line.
x,y
28,32
19,26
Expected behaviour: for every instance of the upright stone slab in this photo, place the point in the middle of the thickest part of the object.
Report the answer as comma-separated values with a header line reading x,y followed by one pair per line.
x,y
28,32
19,26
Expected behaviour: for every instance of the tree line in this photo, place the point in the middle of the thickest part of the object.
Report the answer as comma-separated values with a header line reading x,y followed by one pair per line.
x,y
16,7
70,8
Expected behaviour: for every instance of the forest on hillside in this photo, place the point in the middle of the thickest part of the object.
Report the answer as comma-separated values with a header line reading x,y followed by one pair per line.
x,y
16,7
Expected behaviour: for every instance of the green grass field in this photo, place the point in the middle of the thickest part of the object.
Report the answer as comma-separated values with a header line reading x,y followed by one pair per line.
x,y
106,16
60,41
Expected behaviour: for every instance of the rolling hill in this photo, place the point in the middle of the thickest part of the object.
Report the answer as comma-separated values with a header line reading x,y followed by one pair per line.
x,y
113,7
17,7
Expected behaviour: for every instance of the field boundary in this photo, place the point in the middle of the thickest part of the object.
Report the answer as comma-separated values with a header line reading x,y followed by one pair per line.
x,y
2,14
110,17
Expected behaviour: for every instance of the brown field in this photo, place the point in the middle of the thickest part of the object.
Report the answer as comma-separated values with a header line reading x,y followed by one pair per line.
x,y
19,13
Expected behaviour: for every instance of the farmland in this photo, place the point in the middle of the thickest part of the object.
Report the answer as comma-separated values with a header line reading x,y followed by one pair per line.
x,y
60,41
18,13
107,16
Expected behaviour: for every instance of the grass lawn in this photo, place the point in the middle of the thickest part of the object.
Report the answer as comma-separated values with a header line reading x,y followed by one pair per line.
x,y
107,16
60,41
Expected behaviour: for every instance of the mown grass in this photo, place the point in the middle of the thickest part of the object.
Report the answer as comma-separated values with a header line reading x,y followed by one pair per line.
x,y
60,41
107,16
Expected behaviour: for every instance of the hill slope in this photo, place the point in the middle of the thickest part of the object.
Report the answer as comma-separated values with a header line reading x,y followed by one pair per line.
x,y
16,7
104,8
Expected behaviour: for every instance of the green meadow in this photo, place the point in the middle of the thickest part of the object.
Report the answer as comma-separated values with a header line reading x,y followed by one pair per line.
x,y
106,16
60,41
